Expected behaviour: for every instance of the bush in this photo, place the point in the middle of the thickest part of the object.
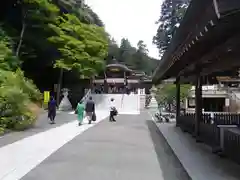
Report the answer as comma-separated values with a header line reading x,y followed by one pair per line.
x,y
17,79
28,87
7,60
2,131
28,121
16,93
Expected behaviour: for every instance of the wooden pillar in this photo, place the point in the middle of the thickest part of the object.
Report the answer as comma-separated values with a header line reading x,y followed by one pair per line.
x,y
105,85
198,103
125,79
177,100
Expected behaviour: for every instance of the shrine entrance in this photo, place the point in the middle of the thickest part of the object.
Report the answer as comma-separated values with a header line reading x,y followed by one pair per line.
x,y
118,78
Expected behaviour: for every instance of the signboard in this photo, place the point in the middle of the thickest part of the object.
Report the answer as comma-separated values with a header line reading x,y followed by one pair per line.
x,y
46,96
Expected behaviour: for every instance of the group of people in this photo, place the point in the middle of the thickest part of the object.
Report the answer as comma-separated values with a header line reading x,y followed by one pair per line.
x,y
88,109
113,89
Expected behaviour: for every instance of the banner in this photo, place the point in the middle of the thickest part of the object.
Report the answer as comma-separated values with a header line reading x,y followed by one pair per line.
x,y
46,96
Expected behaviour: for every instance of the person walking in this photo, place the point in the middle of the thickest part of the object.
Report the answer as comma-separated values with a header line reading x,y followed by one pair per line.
x,y
52,108
80,112
90,109
113,111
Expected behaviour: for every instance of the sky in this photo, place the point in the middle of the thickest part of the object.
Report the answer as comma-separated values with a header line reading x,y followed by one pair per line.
x,y
132,19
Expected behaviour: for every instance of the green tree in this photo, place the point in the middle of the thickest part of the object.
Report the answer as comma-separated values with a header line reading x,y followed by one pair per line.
x,y
113,51
35,13
78,43
126,51
172,12
27,24
16,91
134,58
81,10
142,47
140,58
7,60
94,18
82,47
166,94
141,61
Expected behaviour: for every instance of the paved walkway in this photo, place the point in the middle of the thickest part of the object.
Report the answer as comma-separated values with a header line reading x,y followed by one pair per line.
x,y
197,158
132,148
41,126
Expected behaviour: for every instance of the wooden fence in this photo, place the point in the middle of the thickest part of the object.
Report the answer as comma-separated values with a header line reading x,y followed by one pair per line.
x,y
210,131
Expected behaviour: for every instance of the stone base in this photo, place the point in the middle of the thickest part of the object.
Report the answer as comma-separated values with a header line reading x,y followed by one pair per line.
x,y
65,105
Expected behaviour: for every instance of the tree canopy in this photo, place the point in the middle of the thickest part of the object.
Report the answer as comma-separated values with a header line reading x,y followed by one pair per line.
x,y
40,40
166,94
37,38
82,47
16,91
172,12
136,58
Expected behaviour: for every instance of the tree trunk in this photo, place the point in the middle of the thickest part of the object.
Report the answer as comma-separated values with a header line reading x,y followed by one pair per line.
x,y
59,86
22,33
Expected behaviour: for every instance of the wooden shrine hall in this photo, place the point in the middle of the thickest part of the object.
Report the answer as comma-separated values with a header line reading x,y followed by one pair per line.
x,y
119,75
206,43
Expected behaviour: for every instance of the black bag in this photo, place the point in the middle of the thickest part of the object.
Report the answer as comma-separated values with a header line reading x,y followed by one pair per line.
x,y
94,118
76,111
115,112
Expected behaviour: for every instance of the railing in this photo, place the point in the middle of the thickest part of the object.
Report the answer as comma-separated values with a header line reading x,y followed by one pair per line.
x,y
232,144
209,92
186,122
219,131
209,133
227,119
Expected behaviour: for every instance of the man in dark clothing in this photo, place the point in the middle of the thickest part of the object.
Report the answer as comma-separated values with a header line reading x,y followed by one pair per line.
x,y
52,108
90,109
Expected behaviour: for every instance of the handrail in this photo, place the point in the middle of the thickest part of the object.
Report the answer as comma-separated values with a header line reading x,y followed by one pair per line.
x,y
85,97
122,100
211,92
230,91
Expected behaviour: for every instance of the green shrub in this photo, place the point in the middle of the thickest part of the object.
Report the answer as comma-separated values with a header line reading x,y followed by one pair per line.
x,y
18,80
8,61
16,91
28,121
2,131
12,105
28,87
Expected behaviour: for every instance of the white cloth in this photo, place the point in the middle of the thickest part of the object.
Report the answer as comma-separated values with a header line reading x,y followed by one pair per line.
x,y
112,105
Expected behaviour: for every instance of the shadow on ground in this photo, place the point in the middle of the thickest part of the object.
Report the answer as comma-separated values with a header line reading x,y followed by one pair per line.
x,y
170,165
